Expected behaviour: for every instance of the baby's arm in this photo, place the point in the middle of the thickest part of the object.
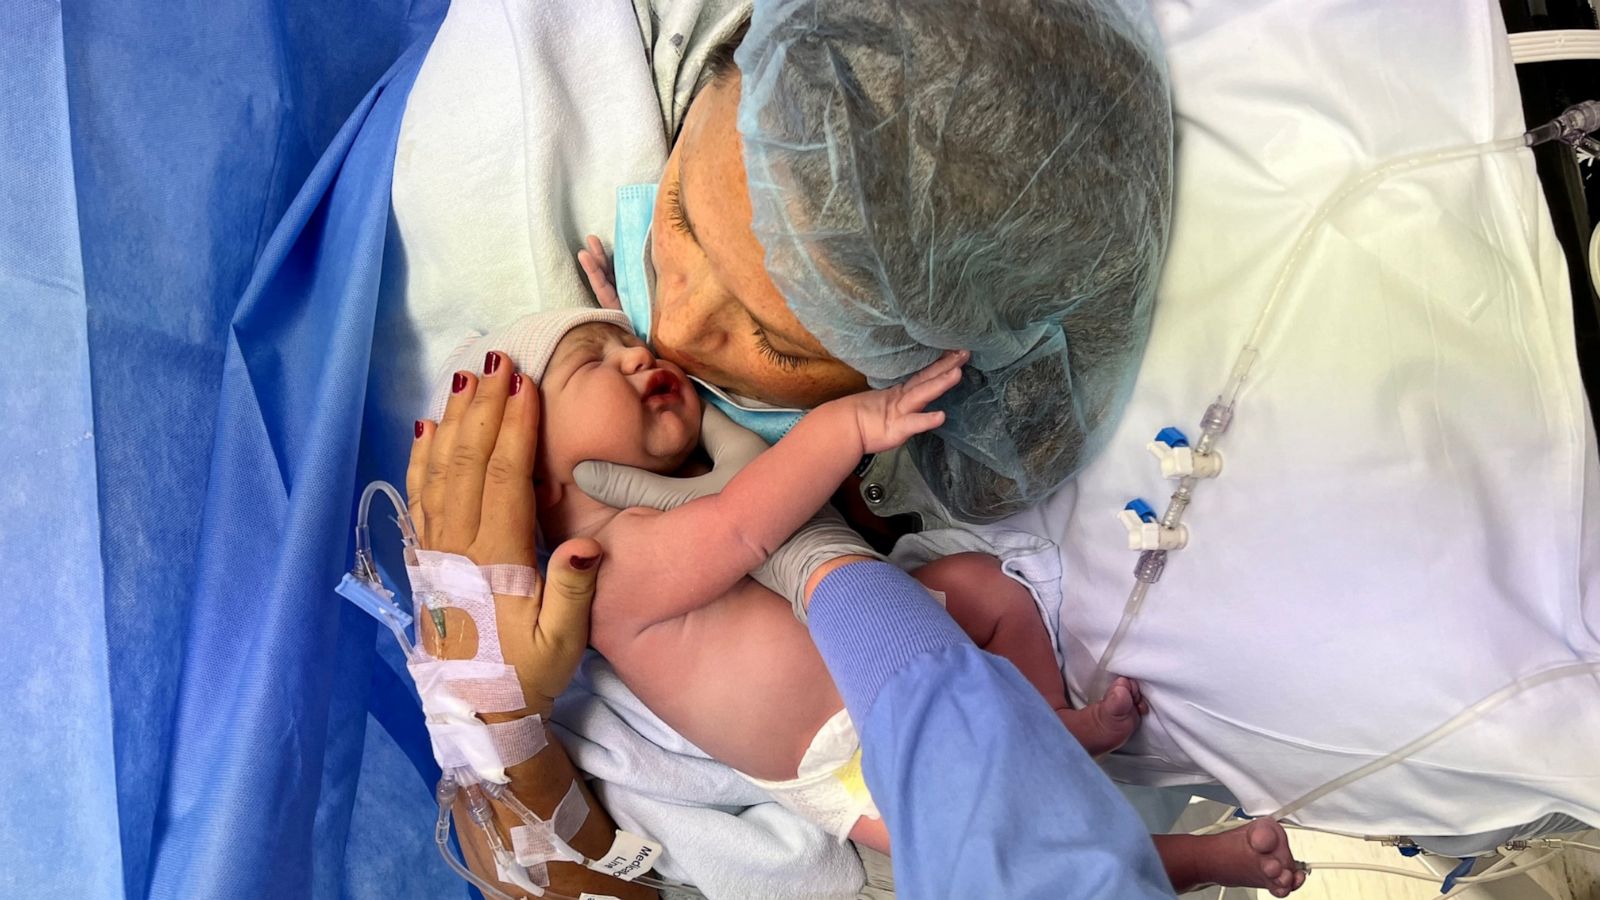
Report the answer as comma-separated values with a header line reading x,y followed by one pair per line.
x,y
692,555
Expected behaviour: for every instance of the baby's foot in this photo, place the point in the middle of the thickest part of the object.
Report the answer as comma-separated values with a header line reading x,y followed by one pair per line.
x,y
1256,855
1104,726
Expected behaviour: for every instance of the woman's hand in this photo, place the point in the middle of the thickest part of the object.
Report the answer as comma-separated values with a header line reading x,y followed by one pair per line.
x,y
470,488
596,264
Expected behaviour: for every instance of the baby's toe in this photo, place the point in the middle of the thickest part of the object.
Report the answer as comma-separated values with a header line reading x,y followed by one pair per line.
x,y
1120,700
1263,835
1139,702
1268,839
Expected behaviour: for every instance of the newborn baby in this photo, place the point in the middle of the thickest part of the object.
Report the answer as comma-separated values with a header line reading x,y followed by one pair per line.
x,y
722,659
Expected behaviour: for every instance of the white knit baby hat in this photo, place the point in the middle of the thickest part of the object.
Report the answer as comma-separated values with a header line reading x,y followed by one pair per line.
x,y
529,341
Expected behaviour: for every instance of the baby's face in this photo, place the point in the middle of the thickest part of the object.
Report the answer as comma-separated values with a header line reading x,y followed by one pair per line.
x,y
606,397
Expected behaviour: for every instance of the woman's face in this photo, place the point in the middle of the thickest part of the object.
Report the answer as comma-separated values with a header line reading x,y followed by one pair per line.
x,y
717,314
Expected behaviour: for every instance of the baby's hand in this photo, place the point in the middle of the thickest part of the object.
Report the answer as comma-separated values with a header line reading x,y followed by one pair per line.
x,y
890,417
597,265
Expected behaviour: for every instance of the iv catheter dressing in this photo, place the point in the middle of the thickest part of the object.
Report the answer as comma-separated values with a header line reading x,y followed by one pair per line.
x,y
1572,127
472,754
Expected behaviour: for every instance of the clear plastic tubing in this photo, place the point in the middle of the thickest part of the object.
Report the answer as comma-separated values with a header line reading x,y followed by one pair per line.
x,y
445,793
408,532
1219,415
1457,722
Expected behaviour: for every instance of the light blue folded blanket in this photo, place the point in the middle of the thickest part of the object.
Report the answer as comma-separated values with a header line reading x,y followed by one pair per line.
x,y
720,832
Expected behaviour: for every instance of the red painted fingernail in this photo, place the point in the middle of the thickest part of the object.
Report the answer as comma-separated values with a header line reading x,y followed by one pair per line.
x,y
459,384
585,563
419,428
516,382
491,361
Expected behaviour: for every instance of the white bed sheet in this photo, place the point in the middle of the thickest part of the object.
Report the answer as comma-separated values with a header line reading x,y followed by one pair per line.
x,y
1409,517
1410,480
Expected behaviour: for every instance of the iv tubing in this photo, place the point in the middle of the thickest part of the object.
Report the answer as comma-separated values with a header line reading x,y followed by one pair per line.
x,y
450,785
501,793
1219,414
441,837
1496,871
1456,723
408,532
366,569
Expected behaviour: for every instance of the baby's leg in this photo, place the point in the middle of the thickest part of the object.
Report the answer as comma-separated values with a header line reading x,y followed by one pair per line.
x,y
1256,855
1000,616
871,832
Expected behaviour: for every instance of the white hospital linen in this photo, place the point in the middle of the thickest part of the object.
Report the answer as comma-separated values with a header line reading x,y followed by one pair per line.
x,y
524,120
1409,516
1398,530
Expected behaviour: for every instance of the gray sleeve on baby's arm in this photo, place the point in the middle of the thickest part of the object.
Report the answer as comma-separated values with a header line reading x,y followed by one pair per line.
x,y
824,538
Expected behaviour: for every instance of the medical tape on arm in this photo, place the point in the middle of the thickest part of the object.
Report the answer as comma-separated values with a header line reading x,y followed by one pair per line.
x,y
536,844
629,856
551,839
454,691
486,687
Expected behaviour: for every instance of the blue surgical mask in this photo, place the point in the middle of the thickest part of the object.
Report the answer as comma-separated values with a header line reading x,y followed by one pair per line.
x,y
636,203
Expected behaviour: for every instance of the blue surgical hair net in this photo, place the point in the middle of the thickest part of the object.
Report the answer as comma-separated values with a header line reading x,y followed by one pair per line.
x,y
991,176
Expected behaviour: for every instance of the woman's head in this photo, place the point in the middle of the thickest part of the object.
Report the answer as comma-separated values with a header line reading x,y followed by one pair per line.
x,y
921,176
715,309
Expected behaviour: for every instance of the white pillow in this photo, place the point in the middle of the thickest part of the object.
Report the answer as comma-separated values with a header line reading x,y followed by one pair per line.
x,y
523,121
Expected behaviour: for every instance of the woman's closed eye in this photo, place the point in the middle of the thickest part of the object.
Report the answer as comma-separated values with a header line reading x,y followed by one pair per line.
x,y
675,214
782,360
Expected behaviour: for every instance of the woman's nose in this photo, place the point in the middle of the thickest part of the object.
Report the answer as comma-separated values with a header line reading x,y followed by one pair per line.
x,y
685,325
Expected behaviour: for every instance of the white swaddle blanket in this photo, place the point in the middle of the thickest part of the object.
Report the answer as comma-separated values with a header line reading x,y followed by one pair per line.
x,y
1409,514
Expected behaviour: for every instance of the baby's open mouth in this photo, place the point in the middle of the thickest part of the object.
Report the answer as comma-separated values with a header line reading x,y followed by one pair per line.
x,y
661,384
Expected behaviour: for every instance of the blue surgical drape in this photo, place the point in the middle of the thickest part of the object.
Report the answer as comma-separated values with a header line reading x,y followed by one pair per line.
x,y
194,204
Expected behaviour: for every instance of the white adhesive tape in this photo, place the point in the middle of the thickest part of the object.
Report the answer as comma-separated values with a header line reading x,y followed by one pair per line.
x,y
533,844
483,686
629,857
570,813
469,744
518,740
532,879
513,581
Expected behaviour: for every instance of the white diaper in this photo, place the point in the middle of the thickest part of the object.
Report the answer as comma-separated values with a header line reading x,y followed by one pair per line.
x,y
828,789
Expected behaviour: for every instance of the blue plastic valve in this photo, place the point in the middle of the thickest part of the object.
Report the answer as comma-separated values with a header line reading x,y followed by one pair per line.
x,y
1141,509
1461,869
373,602
1172,437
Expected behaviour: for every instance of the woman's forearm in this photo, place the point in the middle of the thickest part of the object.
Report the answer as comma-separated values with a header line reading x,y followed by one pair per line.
x,y
540,782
